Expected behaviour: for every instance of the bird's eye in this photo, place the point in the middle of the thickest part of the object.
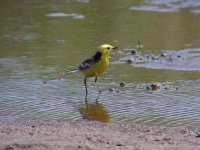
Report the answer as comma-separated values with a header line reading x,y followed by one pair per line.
x,y
108,48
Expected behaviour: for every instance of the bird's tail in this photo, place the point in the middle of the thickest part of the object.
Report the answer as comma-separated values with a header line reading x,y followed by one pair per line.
x,y
71,71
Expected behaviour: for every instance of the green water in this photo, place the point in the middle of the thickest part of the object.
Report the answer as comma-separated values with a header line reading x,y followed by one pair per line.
x,y
40,39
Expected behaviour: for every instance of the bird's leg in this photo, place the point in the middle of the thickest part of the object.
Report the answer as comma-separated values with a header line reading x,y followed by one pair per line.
x,y
97,85
86,91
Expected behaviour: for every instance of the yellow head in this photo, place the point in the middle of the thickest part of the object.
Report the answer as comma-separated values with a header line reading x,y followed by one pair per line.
x,y
106,49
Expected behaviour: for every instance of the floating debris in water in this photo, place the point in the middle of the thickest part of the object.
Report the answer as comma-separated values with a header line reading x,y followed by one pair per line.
x,y
147,56
153,86
166,88
134,51
155,58
129,61
167,138
74,16
163,54
148,88
122,84
197,135
44,82
186,59
111,89
120,144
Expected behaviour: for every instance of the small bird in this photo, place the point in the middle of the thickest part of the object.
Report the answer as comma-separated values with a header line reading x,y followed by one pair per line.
x,y
95,65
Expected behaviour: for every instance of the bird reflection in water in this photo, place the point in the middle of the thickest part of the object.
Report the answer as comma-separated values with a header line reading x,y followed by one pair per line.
x,y
95,111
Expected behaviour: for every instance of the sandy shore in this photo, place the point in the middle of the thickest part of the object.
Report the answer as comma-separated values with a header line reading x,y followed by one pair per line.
x,y
43,135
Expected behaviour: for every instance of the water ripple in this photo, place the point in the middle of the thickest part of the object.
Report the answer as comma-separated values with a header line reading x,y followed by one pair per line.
x,y
166,6
60,100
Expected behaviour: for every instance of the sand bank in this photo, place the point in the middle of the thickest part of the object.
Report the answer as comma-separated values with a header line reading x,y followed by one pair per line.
x,y
43,135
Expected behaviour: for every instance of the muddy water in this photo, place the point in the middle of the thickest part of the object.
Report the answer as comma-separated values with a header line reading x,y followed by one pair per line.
x,y
39,40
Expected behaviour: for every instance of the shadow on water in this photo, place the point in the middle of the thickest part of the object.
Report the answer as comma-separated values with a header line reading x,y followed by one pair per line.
x,y
94,111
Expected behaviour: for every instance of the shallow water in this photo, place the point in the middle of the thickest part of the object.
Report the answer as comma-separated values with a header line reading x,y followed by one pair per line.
x,y
39,40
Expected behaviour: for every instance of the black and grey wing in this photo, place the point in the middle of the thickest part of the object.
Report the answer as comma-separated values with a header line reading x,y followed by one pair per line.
x,y
83,66
86,64
90,61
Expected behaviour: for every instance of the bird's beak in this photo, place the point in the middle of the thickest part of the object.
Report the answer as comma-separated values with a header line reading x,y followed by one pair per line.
x,y
115,48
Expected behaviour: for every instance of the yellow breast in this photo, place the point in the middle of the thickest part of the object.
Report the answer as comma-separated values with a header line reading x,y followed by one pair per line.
x,y
97,69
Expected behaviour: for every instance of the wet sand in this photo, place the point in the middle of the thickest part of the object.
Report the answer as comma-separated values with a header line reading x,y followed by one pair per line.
x,y
43,135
